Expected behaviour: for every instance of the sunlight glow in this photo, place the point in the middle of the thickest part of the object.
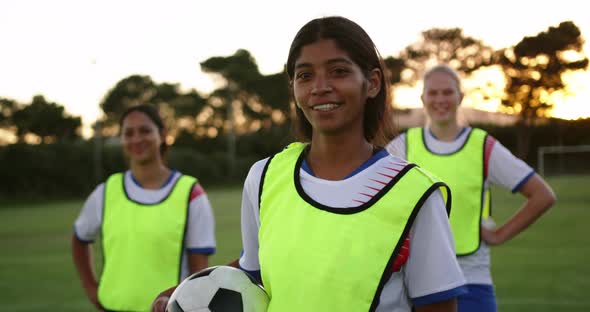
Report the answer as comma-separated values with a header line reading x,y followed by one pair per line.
x,y
169,39
573,103
484,88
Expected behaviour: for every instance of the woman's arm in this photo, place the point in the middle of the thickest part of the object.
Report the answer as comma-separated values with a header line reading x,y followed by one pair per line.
x,y
539,198
82,256
197,262
433,285
443,306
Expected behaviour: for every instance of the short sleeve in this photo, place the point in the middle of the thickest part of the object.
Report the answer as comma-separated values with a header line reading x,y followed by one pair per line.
x,y
200,237
507,170
250,217
432,273
87,225
397,147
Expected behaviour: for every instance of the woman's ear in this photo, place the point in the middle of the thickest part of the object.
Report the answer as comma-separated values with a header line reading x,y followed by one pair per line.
x,y
375,80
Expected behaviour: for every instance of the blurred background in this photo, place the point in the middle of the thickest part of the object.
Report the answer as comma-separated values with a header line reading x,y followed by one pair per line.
x,y
68,69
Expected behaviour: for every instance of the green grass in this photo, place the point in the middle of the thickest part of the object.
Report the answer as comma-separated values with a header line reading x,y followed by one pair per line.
x,y
36,268
544,269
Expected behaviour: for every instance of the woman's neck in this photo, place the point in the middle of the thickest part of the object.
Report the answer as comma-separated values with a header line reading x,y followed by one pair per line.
x,y
445,132
150,176
334,158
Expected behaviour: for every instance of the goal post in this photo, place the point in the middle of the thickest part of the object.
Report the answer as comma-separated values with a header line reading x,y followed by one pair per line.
x,y
573,152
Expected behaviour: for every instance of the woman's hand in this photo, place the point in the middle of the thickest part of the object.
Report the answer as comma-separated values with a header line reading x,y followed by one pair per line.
x,y
92,293
159,305
491,236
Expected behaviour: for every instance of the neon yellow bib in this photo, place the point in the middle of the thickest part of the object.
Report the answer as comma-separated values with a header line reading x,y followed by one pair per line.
x,y
463,171
319,258
142,245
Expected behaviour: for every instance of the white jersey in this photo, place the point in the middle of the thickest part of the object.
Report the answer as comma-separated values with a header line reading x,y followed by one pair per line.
x,y
200,230
503,169
419,280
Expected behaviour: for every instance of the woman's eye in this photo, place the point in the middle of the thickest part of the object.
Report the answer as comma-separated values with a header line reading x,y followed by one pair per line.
x,y
340,71
303,75
145,130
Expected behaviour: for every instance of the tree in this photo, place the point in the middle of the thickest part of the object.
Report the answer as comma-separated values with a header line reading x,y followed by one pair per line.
x,y
137,89
534,69
248,102
129,91
394,66
254,98
7,109
439,45
47,120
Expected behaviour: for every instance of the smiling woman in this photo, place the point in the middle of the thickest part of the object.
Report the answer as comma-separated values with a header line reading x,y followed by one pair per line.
x,y
156,224
334,222
471,161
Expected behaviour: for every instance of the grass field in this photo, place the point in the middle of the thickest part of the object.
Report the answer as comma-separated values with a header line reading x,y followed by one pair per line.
x,y
544,269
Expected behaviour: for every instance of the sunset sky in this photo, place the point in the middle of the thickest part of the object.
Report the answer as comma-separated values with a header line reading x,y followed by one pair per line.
x,y
73,52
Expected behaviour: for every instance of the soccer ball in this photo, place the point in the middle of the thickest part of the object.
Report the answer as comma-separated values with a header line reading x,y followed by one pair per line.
x,y
219,289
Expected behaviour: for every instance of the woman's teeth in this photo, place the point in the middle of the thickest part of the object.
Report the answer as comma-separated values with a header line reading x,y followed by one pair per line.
x,y
325,107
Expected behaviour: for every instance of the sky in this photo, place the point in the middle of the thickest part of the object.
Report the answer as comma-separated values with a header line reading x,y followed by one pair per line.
x,y
73,52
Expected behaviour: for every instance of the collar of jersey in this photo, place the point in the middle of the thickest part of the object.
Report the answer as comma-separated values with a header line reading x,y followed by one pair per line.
x,y
380,153
136,182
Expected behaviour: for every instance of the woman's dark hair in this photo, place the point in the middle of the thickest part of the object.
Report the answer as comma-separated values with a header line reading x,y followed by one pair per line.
x,y
351,38
153,115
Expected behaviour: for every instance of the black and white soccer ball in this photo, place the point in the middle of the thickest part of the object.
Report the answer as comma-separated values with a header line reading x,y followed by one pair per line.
x,y
219,289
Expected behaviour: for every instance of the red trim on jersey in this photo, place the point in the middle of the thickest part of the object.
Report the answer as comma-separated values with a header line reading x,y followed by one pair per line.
x,y
402,257
401,166
382,182
393,169
196,192
404,251
490,141
386,175
373,188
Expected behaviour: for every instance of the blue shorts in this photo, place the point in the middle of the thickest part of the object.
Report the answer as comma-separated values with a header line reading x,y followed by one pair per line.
x,y
479,298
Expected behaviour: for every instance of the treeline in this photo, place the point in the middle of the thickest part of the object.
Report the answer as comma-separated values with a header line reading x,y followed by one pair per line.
x,y
73,169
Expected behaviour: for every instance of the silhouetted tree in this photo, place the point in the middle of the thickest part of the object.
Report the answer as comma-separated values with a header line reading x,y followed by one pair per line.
x,y
45,119
439,45
533,70
137,89
395,66
129,91
248,102
7,109
255,96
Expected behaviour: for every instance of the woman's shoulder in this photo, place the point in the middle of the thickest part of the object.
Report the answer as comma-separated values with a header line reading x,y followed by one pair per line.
x,y
394,158
255,173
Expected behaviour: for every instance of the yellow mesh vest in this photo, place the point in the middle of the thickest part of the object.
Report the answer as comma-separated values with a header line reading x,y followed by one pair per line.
x,y
463,171
319,258
142,245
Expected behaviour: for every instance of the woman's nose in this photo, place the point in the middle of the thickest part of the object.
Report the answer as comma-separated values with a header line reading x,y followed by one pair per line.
x,y
321,86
